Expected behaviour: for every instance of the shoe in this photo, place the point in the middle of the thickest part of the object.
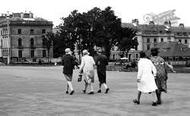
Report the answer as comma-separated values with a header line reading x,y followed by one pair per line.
x,y
158,102
154,104
136,101
67,92
72,92
84,91
99,91
107,90
91,92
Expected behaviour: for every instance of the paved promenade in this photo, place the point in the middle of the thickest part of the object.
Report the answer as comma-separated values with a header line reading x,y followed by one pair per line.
x,y
40,91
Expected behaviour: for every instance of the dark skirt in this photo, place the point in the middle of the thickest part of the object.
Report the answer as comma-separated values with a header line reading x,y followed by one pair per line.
x,y
102,76
161,84
68,77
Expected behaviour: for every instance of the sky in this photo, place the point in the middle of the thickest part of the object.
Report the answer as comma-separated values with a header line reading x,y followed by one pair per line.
x,y
127,10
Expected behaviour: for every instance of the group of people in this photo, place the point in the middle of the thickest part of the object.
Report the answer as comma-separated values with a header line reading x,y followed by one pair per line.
x,y
86,69
152,76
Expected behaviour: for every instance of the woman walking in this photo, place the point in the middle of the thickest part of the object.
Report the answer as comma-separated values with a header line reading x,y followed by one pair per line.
x,y
87,67
146,78
161,77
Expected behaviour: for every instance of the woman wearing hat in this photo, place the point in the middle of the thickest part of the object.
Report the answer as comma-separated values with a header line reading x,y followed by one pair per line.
x,y
161,77
87,67
68,62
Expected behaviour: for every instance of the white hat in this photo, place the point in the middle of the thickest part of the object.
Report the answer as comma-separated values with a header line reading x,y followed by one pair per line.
x,y
85,52
67,50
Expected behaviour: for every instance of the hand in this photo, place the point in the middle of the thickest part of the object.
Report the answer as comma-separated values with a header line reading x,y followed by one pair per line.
x,y
174,71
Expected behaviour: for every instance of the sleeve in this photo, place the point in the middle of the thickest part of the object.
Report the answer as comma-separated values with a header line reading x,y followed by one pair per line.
x,y
153,68
93,61
106,60
82,64
62,61
140,70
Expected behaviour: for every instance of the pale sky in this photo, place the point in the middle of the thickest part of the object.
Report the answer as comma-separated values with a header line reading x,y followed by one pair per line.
x,y
127,10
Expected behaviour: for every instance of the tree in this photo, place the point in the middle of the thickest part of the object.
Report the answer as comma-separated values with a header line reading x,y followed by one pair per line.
x,y
48,39
127,41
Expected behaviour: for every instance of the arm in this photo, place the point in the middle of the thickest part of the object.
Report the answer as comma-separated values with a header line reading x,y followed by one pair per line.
x,y
153,69
140,71
170,67
82,65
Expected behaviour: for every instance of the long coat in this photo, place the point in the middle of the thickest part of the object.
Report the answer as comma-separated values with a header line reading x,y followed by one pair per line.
x,y
87,66
68,63
101,62
161,77
146,73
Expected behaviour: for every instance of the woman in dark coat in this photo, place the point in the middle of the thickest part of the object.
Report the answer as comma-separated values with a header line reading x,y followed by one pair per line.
x,y
68,62
102,62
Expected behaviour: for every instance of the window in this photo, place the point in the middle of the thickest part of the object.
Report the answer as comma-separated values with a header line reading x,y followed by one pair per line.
x,y
155,40
43,31
44,53
19,31
162,40
19,42
169,38
148,40
43,42
179,40
32,42
185,41
20,53
32,53
31,31
148,47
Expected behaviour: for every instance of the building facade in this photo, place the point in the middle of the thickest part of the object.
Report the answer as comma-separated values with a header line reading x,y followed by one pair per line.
x,y
22,39
150,35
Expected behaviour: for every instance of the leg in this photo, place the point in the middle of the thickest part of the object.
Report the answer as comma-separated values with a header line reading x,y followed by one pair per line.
x,y
154,95
67,90
158,94
85,86
137,101
139,96
71,87
106,87
100,84
91,89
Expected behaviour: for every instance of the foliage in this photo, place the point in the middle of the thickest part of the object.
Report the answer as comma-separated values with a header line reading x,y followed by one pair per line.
x,y
128,41
48,39
87,30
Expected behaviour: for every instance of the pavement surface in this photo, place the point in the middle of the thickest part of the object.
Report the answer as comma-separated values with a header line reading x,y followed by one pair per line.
x,y
40,91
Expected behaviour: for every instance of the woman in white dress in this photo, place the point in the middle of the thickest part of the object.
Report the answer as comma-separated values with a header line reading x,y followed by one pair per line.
x,y
87,67
146,78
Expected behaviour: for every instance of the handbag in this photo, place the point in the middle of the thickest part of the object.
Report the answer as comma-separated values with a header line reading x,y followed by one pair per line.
x,y
80,78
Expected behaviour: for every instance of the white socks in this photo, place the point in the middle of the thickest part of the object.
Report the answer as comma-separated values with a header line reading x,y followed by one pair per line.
x,y
105,86
70,85
91,87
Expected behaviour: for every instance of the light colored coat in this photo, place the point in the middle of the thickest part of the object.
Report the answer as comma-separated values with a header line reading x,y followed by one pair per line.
x,y
146,74
87,65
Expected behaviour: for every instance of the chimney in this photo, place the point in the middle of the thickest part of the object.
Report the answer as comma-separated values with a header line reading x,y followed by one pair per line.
x,y
135,22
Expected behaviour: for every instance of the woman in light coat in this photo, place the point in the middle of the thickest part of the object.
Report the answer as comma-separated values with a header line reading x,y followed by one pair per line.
x,y
87,67
146,78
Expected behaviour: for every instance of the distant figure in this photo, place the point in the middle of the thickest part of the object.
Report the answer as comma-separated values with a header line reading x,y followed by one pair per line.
x,y
87,68
68,62
146,78
102,62
161,77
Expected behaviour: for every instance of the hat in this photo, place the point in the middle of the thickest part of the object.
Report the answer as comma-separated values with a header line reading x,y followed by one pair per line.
x,y
99,51
85,52
67,50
